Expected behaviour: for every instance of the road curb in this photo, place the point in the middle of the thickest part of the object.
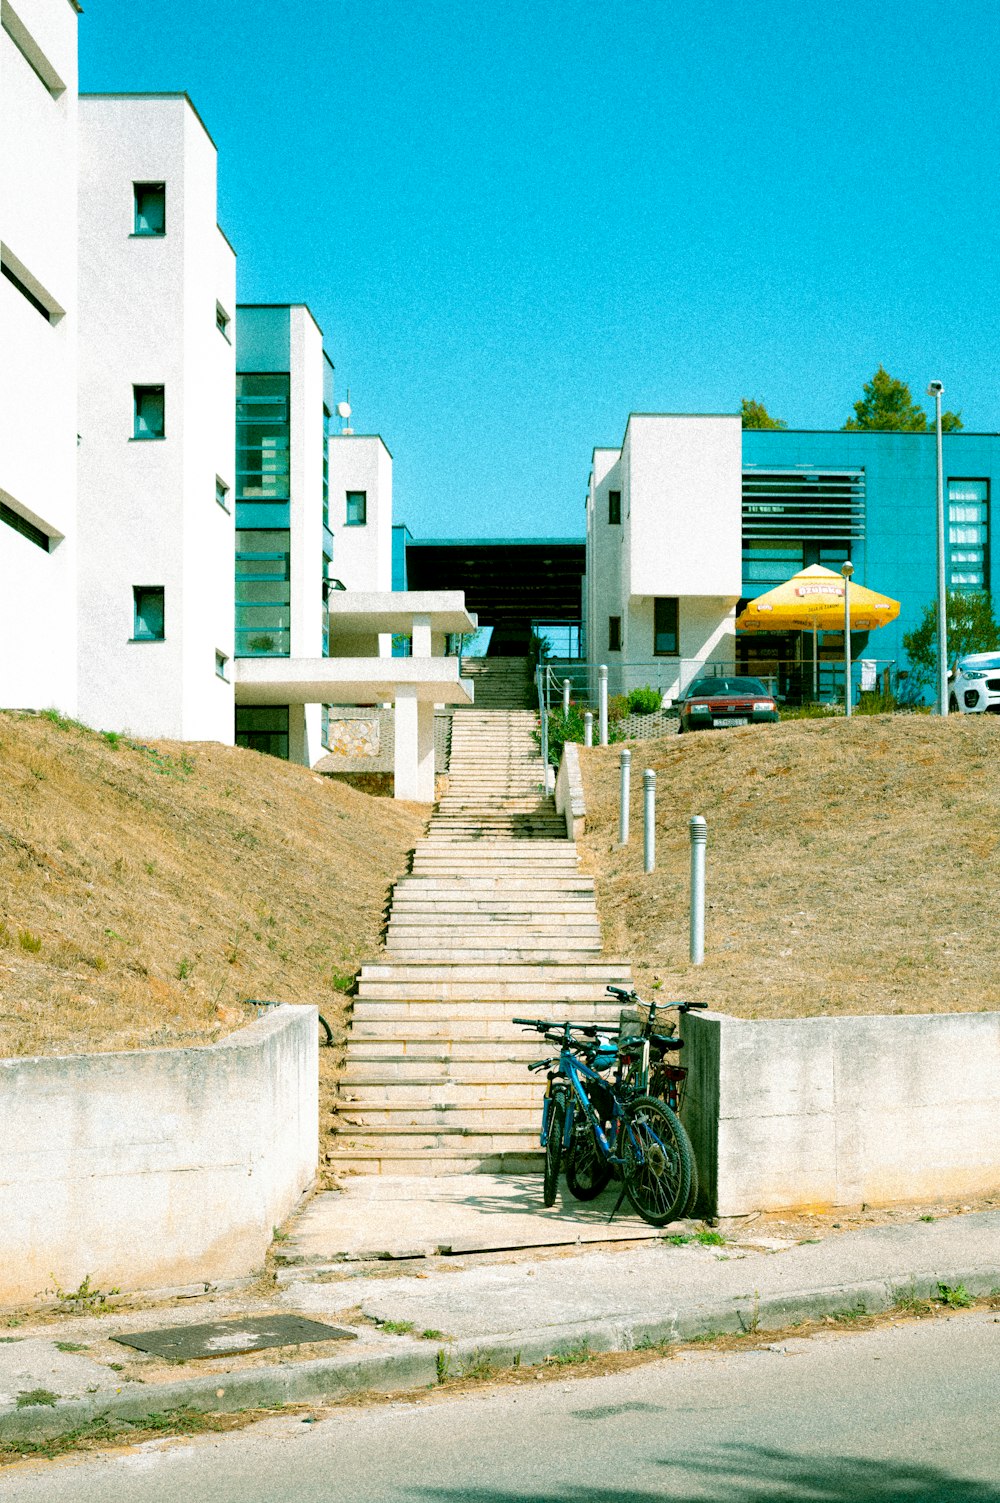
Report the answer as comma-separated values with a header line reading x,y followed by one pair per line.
x,y
325,1379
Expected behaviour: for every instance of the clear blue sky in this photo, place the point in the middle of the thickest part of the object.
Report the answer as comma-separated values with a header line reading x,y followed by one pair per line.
x,y
516,222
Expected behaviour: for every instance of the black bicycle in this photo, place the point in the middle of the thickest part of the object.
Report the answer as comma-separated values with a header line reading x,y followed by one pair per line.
x,y
597,1125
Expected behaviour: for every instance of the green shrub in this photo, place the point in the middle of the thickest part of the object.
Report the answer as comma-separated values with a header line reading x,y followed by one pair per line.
x,y
570,729
617,707
645,701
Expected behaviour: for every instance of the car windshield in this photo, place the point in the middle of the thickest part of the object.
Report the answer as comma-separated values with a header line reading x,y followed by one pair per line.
x,y
711,687
980,660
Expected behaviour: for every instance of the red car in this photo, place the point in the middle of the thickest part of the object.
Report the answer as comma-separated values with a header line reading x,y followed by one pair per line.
x,y
716,703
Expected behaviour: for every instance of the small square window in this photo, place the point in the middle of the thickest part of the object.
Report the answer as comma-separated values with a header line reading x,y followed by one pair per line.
x,y
148,412
220,665
614,633
357,508
150,208
615,508
148,615
222,320
222,493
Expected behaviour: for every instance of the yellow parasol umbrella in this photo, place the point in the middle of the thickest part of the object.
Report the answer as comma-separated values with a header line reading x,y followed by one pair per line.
x,y
813,600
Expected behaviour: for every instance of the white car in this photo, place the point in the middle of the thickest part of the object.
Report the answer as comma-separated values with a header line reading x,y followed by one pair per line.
x,y
975,684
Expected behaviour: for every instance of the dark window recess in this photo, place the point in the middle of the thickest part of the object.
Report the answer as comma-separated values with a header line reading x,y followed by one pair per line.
x,y
665,627
148,621
222,493
221,320
150,208
26,292
263,728
25,528
220,664
357,508
614,633
615,508
148,405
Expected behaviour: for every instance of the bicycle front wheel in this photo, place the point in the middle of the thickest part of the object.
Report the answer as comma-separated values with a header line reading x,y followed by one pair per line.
x,y
553,1148
656,1160
587,1170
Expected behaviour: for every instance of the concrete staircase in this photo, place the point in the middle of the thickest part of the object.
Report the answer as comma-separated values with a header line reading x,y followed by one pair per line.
x,y
494,920
502,683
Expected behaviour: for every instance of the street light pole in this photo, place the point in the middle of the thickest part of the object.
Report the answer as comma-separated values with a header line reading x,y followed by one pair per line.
x,y
847,569
935,389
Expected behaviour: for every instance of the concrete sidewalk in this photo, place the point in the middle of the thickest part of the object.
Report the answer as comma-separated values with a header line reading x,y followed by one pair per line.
x,y
58,1373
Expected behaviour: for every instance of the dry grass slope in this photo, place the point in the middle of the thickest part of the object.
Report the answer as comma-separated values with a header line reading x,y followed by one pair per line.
x,y
852,866
147,891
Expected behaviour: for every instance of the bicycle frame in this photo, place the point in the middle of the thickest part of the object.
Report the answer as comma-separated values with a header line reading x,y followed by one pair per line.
x,y
575,1071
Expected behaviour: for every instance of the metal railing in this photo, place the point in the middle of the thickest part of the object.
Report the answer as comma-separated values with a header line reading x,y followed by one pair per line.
x,y
790,681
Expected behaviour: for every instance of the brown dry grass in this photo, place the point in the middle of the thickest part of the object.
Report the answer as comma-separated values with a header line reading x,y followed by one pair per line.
x,y
852,866
146,892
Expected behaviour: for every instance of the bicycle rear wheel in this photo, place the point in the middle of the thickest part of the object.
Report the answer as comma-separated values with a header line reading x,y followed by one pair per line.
x,y
587,1170
553,1148
656,1160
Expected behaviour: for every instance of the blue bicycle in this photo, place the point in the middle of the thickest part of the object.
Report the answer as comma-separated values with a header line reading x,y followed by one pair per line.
x,y
599,1124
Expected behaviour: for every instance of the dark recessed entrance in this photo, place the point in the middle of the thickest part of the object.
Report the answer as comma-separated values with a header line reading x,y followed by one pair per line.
x,y
510,583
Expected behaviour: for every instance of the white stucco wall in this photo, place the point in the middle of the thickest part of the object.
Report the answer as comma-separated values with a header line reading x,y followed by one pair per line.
x,y
681,501
38,424
835,1111
158,1166
148,512
362,555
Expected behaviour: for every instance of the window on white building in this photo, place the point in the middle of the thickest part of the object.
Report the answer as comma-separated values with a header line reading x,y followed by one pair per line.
x,y
614,633
614,508
968,535
221,662
148,420
222,320
222,493
150,208
665,627
357,508
148,613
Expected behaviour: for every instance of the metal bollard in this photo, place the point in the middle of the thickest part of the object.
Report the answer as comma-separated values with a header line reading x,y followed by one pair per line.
x,y
626,776
588,728
602,703
565,698
648,819
699,836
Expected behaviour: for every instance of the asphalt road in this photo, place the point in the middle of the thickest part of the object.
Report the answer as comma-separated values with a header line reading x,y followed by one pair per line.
x,y
908,1412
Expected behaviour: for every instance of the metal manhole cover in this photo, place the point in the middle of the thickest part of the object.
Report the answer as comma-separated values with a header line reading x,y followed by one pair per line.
x,y
224,1338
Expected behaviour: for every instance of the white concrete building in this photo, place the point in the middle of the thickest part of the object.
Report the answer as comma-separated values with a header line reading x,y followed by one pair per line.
x,y
157,392
664,559
38,341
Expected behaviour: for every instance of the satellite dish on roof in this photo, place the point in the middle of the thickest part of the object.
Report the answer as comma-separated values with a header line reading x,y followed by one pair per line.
x,y
343,409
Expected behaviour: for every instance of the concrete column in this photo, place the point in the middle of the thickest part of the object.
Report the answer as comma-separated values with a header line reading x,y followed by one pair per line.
x,y
298,735
421,642
414,754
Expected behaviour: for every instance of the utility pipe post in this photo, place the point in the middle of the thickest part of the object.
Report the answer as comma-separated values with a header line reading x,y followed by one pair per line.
x,y
588,728
936,390
699,837
566,687
602,703
625,795
847,569
649,820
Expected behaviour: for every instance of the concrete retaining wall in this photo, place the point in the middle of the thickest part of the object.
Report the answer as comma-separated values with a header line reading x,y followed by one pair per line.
x,y
158,1166
835,1111
569,791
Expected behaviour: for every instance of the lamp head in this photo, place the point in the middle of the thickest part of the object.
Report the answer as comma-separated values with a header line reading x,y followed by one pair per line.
x,y
847,569
935,388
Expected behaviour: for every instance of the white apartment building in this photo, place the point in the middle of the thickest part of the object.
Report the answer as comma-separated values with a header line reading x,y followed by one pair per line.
x,y
664,561
157,423
38,341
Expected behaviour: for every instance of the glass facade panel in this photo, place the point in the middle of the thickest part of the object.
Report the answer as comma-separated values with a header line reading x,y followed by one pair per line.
x,y
968,534
263,728
769,561
263,594
262,438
